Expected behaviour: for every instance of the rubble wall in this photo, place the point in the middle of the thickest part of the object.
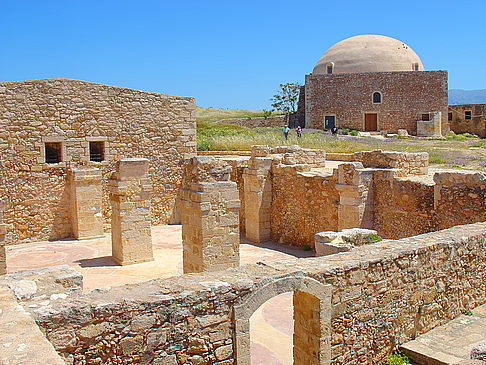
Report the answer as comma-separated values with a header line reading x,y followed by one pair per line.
x,y
130,123
382,296
303,204
405,96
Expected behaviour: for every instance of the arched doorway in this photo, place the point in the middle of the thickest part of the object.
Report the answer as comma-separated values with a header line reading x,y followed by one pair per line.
x,y
312,318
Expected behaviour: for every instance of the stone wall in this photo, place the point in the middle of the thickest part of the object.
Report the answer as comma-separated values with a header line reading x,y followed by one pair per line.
x,y
129,123
255,122
475,125
303,204
408,207
382,295
405,96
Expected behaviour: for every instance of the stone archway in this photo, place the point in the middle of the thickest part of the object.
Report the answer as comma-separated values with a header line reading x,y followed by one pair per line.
x,y
312,318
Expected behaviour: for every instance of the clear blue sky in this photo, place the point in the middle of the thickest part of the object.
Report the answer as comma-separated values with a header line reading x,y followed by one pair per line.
x,y
230,54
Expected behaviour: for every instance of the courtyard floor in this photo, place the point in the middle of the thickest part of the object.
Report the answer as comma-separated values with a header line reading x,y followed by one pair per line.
x,y
271,325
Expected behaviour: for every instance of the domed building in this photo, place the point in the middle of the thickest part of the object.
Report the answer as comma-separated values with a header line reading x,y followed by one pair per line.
x,y
375,83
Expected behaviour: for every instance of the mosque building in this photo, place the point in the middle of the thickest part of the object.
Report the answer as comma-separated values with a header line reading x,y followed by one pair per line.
x,y
375,83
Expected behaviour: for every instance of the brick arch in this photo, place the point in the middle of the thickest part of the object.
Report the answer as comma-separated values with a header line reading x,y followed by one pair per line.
x,y
312,311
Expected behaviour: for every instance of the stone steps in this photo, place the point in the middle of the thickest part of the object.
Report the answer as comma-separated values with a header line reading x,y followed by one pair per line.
x,y
450,343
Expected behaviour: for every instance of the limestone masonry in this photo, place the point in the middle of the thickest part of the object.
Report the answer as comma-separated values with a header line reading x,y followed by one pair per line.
x,y
49,128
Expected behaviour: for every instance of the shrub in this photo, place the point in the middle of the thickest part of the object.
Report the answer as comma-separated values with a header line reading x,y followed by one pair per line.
x,y
306,248
345,131
353,132
397,358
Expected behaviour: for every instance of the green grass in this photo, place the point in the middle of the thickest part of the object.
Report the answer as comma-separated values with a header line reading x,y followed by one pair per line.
x,y
213,114
463,151
397,358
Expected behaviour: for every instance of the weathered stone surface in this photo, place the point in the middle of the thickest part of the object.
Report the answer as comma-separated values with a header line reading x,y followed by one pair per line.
x,y
479,351
130,191
23,289
377,291
129,123
347,95
131,345
210,217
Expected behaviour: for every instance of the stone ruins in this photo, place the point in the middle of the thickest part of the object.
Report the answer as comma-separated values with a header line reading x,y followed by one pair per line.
x,y
353,307
399,246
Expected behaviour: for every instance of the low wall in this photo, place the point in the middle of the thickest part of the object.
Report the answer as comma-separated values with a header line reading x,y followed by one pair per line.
x,y
407,163
382,295
406,207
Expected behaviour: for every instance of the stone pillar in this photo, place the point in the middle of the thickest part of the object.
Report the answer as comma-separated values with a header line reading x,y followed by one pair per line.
x,y
130,190
307,329
355,187
210,217
258,195
85,193
3,256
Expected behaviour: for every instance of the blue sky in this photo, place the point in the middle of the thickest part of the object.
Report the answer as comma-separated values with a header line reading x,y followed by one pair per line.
x,y
230,54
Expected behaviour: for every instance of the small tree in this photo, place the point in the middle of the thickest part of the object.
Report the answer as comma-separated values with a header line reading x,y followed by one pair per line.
x,y
286,98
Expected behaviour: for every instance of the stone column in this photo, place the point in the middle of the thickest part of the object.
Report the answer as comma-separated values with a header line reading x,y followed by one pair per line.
x,y
307,329
85,193
210,217
130,190
3,256
355,196
258,195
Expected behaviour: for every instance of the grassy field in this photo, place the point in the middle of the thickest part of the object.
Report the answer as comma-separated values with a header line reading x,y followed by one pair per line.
x,y
459,151
213,115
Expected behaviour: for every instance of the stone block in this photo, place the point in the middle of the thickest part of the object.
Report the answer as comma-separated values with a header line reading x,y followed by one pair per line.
x,y
131,168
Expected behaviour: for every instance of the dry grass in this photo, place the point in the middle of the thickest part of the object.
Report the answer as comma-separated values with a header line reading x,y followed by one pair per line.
x,y
212,114
460,151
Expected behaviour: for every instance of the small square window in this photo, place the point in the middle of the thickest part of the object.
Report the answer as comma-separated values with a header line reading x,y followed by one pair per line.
x,y
96,151
53,152
468,115
449,116
425,117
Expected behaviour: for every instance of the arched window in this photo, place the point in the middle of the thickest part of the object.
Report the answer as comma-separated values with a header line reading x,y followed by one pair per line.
x,y
330,67
415,66
376,97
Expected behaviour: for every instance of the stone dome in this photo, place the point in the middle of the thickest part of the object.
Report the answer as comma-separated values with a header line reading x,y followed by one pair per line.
x,y
368,53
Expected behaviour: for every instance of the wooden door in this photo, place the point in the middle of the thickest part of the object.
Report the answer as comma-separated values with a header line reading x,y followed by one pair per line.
x,y
371,122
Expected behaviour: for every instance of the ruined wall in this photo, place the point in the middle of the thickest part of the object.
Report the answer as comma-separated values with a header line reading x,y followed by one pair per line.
x,y
408,207
459,198
405,96
382,295
303,204
475,125
255,122
130,123
402,207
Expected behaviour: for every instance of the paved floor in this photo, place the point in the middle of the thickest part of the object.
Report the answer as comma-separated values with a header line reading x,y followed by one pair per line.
x,y
450,343
271,325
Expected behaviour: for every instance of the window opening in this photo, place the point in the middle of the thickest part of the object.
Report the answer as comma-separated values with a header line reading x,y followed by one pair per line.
x,y
96,151
468,115
415,66
425,117
376,98
449,116
53,152
329,69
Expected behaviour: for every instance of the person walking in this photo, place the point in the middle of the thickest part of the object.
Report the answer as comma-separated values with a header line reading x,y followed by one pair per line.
x,y
299,131
286,131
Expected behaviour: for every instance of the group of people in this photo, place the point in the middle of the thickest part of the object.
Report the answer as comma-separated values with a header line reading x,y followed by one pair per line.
x,y
286,131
